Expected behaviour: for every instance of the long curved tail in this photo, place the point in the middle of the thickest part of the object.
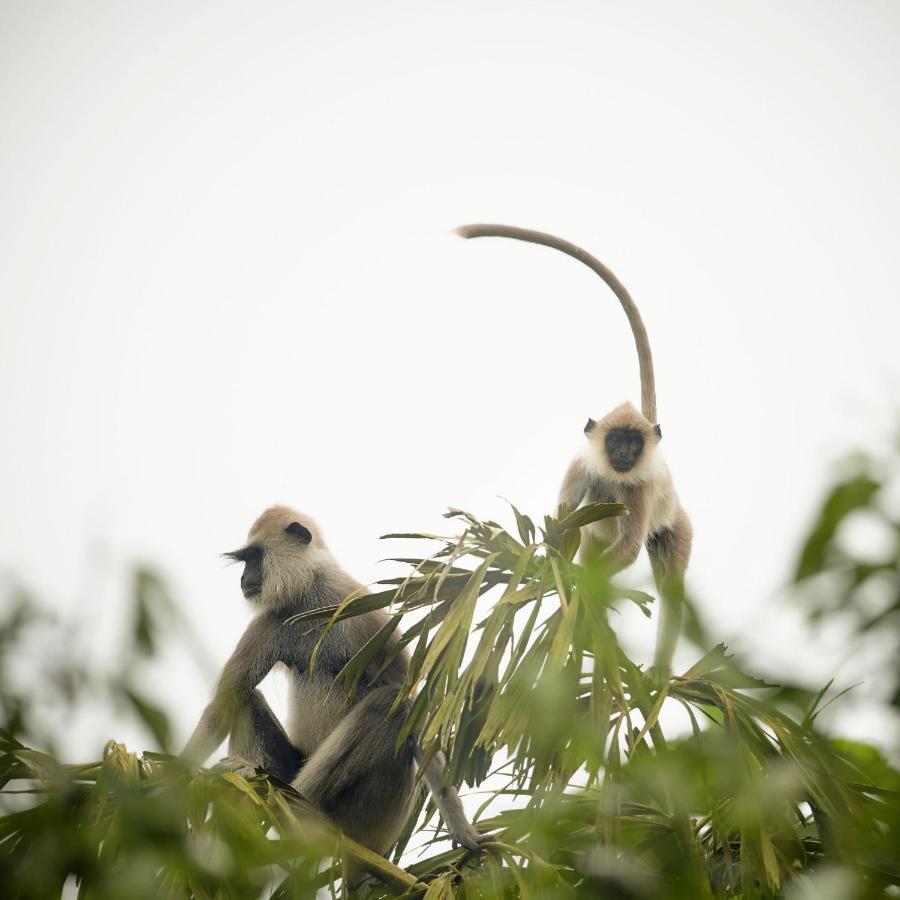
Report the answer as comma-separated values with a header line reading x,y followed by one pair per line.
x,y
645,359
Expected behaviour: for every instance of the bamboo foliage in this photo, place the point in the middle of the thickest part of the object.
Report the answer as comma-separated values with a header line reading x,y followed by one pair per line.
x,y
518,675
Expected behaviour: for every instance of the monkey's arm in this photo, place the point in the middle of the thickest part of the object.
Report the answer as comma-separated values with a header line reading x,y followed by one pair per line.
x,y
574,485
448,803
251,661
624,550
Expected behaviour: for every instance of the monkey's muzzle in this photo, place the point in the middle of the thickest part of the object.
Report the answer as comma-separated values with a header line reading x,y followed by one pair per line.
x,y
250,587
252,576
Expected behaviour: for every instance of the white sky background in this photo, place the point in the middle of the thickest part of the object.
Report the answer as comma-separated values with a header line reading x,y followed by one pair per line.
x,y
227,280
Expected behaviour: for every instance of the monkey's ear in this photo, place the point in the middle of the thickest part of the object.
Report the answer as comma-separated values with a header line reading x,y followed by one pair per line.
x,y
591,425
301,532
657,431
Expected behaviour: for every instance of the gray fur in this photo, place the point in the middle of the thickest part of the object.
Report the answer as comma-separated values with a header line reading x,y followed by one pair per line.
x,y
656,519
339,753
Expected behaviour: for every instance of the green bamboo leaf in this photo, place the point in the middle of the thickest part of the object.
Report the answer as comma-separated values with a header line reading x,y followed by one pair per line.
x,y
591,512
711,660
357,665
238,781
39,765
524,525
770,860
524,637
424,566
653,715
418,657
459,617
151,715
569,543
853,494
354,605
641,599
417,713
562,641
440,889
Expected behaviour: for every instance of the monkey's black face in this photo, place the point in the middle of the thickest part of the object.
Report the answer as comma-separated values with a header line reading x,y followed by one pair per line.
x,y
252,577
624,447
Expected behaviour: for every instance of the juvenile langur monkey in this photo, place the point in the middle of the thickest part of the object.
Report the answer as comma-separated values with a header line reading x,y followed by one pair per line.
x,y
621,463
340,755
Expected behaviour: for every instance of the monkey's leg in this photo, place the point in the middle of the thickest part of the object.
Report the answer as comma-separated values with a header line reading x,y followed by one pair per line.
x,y
669,551
358,777
257,737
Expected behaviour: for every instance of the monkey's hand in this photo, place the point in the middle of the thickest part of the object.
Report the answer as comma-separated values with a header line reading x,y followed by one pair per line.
x,y
237,764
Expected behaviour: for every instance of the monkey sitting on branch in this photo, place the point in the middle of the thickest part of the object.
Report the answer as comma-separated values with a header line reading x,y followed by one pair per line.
x,y
340,754
621,463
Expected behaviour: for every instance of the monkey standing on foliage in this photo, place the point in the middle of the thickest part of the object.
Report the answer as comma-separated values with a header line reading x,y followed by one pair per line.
x,y
622,464
341,756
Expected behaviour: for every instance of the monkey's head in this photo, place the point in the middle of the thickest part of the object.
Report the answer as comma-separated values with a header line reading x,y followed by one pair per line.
x,y
622,444
283,554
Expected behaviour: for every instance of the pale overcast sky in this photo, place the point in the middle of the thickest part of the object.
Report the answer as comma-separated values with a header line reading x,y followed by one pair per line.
x,y
227,279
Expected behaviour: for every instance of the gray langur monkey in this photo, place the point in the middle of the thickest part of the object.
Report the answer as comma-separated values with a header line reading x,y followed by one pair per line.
x,y
621,463
340,754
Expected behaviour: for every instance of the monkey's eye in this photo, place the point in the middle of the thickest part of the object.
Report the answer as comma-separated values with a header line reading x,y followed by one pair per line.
x,y
301,532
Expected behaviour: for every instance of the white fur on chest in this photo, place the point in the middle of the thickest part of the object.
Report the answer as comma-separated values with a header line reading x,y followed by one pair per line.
x,y
663,508
315,706
653,477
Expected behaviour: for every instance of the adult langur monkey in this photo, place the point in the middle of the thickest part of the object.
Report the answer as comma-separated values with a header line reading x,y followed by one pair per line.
x,y
621,463
341,754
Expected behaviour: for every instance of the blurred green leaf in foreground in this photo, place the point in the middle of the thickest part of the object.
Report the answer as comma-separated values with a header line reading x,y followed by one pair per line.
x,y
519,676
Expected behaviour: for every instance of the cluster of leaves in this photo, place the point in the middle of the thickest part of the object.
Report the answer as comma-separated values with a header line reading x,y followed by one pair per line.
x,y
518,675
749,800
61,672
865,591
146,827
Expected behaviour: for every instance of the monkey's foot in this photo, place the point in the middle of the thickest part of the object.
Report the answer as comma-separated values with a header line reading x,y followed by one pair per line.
x,y
467,837
237,764
365,887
